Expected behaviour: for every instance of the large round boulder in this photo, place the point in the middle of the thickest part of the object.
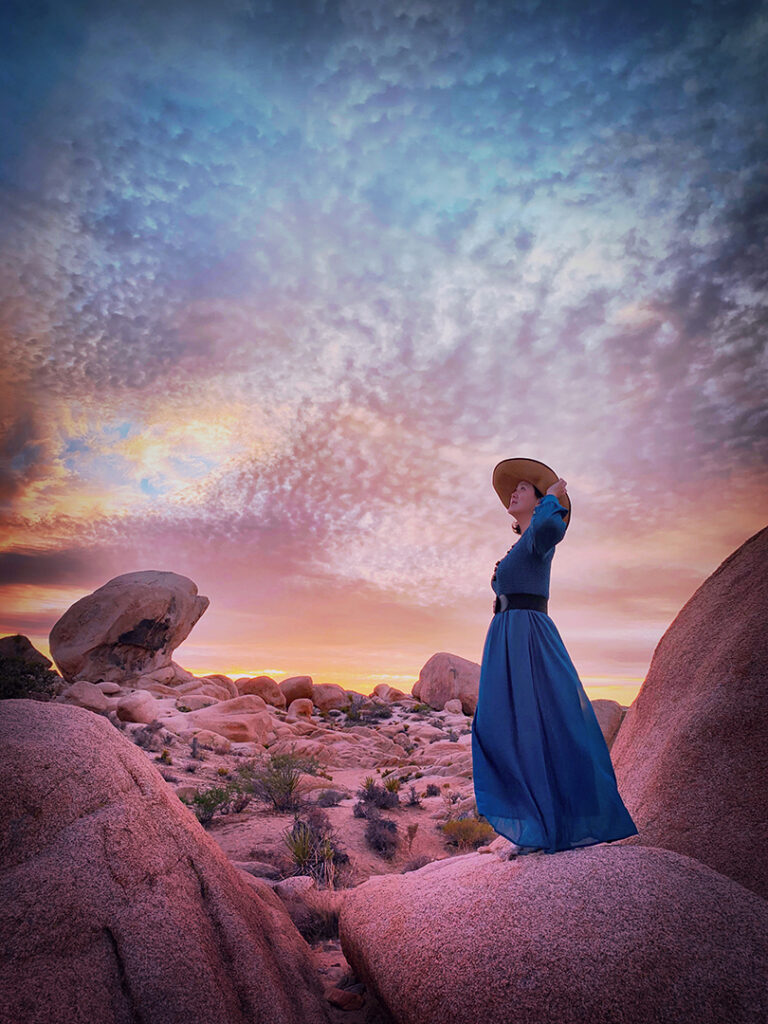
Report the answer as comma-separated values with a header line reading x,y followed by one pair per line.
x,y
128,628
329,697
448,677
691,756
117,905
601,935
295,687
265,687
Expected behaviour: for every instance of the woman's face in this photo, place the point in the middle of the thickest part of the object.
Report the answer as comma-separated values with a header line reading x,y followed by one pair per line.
x,y
523,499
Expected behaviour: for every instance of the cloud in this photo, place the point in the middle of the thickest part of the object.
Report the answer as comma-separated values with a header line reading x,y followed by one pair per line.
x,y
291,279
43,567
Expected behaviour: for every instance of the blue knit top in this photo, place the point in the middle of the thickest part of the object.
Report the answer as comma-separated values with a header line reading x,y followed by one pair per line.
x,y
526,566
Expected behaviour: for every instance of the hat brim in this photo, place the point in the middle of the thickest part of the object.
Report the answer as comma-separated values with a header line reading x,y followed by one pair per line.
x,y
508,473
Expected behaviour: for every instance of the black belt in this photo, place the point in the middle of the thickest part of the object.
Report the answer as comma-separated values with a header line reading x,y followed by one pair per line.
x,y
534,602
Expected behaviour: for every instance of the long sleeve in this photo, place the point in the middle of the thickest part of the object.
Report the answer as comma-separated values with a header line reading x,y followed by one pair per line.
x,y
547,525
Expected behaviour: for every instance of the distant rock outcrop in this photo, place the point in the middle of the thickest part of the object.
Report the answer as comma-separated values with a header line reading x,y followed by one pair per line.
x,y
600,935
691,756
20,647
127,628
447,677
116,903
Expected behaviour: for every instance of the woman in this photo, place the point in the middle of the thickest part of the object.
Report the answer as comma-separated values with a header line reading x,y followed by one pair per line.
x,y
543,775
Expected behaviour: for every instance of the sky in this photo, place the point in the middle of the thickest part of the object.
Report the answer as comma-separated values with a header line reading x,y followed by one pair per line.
x,y
280,284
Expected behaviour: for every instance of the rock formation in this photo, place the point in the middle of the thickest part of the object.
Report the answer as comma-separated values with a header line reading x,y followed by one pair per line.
x,y
20,647
601,935
691,756
127,628
446,677
115,904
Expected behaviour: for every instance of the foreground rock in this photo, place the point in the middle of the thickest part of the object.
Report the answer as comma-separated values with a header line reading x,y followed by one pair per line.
x,y
691,756
127,628
118,906
601,935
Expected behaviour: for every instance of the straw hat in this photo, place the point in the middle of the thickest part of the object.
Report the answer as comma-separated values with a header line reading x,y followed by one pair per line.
x,y
508,474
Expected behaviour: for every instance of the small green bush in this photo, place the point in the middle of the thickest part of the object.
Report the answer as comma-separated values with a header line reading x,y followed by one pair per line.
x,y
467,833
313,845
206,803
432,789
276,781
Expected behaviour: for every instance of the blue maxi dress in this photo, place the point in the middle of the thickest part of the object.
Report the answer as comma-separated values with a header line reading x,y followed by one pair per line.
x,y
542,771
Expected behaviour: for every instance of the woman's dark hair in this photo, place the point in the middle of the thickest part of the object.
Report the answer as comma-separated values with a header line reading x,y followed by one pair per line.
x,y
516,526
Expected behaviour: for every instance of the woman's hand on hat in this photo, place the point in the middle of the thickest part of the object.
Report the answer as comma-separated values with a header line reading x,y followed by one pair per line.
x,y
557,488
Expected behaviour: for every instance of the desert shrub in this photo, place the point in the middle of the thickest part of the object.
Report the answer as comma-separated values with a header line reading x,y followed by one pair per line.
x,y
224,772
206,803
393,785
330,798
377,795
362,809
191,768
375,712
165,757
240,798
381,836
21,680
450,799
354,708
313,845
241,787
453,736
432,789
147,736
306,763
467,833
413,798
276,781
362,711
422,709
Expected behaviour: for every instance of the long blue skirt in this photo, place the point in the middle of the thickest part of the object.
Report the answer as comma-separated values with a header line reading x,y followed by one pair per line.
x,y
543,775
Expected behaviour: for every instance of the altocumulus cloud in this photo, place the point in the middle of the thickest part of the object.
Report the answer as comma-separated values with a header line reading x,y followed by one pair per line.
x,y
365,248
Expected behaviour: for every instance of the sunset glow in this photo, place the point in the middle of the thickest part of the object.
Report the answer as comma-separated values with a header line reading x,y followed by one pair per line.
x,y
281,283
